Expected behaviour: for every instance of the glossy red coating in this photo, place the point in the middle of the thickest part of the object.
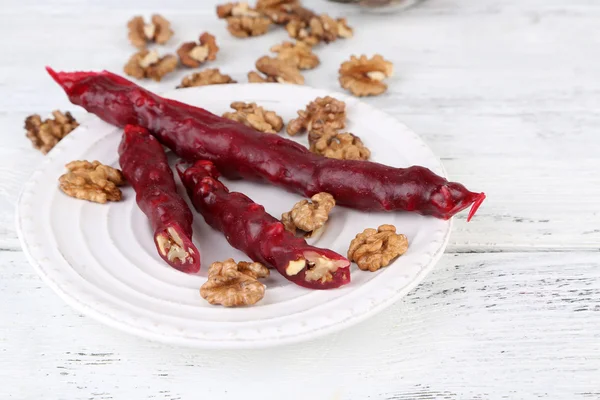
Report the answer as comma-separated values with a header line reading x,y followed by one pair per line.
x,y
249,228
146,168
241,152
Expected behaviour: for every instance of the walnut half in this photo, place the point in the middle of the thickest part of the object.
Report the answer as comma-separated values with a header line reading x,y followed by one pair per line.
x,y
297,54
363,76
44,135
211,76
341,146
192,54
140,33
232,284
320,114
373,249
279,70
148,64
243,21
255,117
92,181
309,215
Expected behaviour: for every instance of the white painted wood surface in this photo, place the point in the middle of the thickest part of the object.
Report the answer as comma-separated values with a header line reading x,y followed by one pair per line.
x,y
506,92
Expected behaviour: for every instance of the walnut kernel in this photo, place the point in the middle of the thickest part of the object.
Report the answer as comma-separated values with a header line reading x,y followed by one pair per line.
x,y
243,21
211,76
192,54
92,181
148,64
282,12
255,117
373,249
319,28
309,215
44,135
341,146
281,71
140,33
255,77
363,76
298,54
234,284
320,114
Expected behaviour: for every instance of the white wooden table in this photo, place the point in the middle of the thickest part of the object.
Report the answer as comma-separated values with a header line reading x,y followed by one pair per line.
x,y
507,92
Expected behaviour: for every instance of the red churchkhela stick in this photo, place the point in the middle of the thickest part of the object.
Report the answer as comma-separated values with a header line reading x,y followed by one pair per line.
x,y
249,228
241,152
145,167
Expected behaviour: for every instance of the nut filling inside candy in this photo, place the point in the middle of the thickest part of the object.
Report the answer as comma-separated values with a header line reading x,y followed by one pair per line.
x,y
318,267
172,247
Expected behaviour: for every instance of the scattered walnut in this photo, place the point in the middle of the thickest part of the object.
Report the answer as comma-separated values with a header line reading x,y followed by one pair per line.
x,y
193,54
342,146
230,284
309,215
363,76
148,64
255,117
140,33
298,54
282,12
44,135
373,249
255,77
320,114
92,181
319,28
281,71
243,21
211,76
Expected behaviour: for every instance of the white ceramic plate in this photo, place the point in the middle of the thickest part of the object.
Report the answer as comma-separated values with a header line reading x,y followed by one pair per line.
x,y
101,258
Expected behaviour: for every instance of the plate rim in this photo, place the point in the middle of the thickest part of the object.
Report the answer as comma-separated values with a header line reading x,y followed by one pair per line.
x,y
70,297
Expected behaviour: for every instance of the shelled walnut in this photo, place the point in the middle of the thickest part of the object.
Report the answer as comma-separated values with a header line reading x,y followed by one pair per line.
x,y
192,54
210,76
319,28
140,33
309,216
255,117
242,20
282,12
279,70
376,248
148,64
92,181
255,77
44,135
232,284
341,146
363,76
320,114
298,54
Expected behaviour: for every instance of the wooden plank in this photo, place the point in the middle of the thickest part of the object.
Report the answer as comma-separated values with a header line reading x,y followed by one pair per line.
x,y
481,326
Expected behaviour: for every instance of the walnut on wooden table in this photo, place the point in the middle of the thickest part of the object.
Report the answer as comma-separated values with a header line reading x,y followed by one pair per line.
x,y
298,54
341,146
92,181
242,20
376,248
254,116
157,31
44,135
149,64
193,54
232,284
320,114
363,76
210,76
309,216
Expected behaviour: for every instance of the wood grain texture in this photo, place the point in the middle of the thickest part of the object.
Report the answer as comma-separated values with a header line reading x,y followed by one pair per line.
x,y
505,92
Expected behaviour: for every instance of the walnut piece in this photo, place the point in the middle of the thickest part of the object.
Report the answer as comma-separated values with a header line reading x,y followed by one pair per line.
x,y
92,181
232,284
280,70
255,77
148,64
192,54
341,146
373,249
44,135
363,76
140,33
320,114
309,215
282,12
298,54
319,28
255,117
211,76
243,21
